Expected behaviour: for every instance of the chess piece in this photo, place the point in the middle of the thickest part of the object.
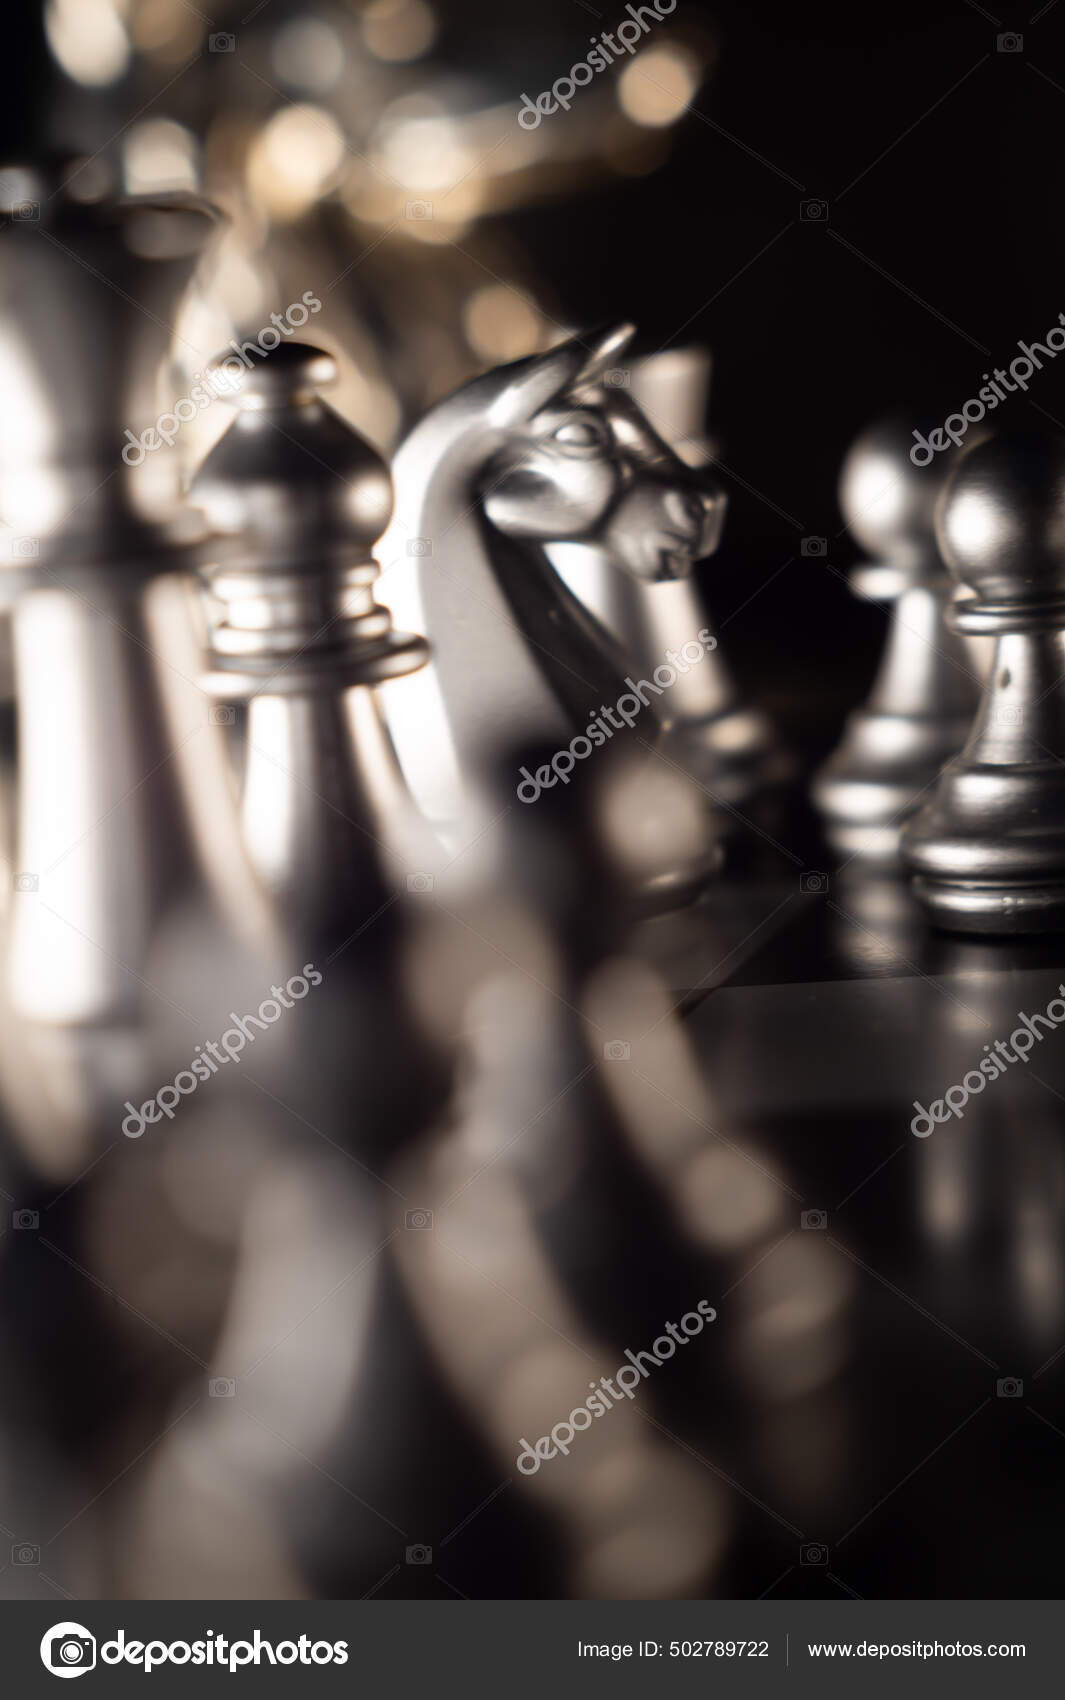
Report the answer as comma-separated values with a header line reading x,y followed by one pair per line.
x,y
988,849
531,455
726,746
87,297
297,499
919,710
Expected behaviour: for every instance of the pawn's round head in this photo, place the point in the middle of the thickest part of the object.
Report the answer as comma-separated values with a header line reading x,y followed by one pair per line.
x,y
888,499
1001,519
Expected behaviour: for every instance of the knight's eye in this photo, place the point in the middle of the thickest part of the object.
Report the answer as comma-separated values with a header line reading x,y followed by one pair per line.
x,y
581,434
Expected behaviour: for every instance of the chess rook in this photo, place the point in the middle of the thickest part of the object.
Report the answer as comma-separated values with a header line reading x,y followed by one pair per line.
x,y
988,850
919,710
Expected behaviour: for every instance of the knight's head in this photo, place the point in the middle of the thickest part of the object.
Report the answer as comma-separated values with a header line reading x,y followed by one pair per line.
x,y
580,462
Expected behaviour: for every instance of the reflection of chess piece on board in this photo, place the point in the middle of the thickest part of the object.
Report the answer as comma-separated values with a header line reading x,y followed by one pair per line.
x,y
988,849
921,704
725,745
531,455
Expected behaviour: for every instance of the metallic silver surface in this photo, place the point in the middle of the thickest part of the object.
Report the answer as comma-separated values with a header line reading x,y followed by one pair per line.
x,y
296,500
919,710
989,849
87,296
728,747
540,453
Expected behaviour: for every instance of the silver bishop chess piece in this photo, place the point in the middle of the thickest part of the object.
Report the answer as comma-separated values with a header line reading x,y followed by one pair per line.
x,y
529,456
296,500
919,710
988,849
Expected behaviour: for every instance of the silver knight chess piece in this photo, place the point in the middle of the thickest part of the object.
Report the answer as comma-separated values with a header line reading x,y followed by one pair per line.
x,y
532,455
919,710
726,745
988,849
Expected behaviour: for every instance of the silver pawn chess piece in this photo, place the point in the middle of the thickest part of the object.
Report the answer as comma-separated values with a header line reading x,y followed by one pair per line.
x,y
919,710
988,850
297,500
531,455
726,746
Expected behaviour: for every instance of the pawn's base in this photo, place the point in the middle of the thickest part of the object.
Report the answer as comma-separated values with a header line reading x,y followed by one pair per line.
x,y
964,907
880,773
988,852
862,817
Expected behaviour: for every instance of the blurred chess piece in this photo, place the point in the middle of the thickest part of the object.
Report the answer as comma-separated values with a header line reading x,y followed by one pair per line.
x,y
988,849
728,747
540,1216
87,298
918,712
535,453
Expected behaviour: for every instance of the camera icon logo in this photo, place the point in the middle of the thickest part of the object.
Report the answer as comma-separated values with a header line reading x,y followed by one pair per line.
x,y
420,882
25,1555
1008,716
812,880
419,546
26,882
68,1649
223,42
25,549
220,715
419,209
28,210
814,547
1009,43
814,1552
418,1219
616,1050
419,1554
25,1219
618,377
222,1387
813,212
814,1219
1010,1387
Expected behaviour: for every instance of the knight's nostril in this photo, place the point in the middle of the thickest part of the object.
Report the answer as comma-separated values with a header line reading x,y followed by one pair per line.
x,y
685,507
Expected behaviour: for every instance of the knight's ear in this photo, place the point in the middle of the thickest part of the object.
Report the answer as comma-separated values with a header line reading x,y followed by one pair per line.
x,y
602,348
538,381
